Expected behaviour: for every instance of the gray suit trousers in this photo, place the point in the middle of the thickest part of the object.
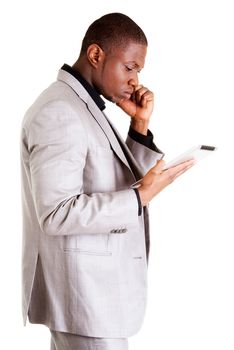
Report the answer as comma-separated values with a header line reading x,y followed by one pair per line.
x,y
68,341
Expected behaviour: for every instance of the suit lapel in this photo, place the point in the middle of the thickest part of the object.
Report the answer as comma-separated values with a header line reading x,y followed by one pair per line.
x,y
134,165
107,129
100,118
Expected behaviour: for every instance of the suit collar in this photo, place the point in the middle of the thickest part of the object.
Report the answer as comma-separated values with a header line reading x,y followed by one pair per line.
x,y
90,89
70,80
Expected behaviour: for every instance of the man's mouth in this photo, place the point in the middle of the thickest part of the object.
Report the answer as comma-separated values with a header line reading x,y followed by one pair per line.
x,y
128,94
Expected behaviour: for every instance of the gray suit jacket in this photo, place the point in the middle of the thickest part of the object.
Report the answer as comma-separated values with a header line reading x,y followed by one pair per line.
x,y
84,245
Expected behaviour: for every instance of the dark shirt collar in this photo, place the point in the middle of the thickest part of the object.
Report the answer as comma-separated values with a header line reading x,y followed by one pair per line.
x,y
89,88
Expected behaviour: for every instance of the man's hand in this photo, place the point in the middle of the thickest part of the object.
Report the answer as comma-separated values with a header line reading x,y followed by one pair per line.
x,y
139,107
157,179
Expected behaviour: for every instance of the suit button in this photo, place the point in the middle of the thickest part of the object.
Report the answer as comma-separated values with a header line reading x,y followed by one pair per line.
x,y
113,231
124,230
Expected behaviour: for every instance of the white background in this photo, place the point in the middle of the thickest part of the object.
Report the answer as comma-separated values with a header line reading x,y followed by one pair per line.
x,y
190,68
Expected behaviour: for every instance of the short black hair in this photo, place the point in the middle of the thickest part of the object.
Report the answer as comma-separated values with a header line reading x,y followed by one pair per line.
x,y
113,30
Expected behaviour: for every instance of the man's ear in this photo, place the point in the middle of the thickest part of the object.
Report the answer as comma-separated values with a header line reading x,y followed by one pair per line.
x,y
95,55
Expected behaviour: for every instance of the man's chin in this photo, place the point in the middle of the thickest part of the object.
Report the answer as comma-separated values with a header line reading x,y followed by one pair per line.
x,y
115,99
110,98
121,99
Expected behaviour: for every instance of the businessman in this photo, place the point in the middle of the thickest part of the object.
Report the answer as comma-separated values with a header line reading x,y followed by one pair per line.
x,y
85,223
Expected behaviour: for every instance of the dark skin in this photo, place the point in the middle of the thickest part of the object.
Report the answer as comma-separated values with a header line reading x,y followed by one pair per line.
x,y
114,74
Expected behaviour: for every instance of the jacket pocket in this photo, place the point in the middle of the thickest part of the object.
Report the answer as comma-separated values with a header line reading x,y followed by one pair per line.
x,y
91,244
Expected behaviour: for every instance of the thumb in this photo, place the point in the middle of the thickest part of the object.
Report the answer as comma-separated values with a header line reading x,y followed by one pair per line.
x,y
159,166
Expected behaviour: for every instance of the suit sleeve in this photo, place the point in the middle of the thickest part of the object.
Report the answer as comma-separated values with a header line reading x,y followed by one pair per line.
x,y
145,152
58,145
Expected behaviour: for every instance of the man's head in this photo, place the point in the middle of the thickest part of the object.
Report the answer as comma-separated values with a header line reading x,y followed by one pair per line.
x,y
112,54
114,30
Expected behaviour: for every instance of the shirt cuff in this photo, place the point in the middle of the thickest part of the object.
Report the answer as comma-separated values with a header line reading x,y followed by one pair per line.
x,y
145,140
139,201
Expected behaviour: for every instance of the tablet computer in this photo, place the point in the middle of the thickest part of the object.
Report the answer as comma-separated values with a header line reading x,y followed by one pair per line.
x,y
197,153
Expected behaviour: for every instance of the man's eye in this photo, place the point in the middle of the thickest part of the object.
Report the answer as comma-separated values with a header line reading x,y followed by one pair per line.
x,y
128,69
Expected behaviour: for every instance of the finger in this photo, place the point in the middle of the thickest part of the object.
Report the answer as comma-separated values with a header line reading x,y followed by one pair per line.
x,y
136,89
139,93
181,166
144,94
146,97
133,97
182,172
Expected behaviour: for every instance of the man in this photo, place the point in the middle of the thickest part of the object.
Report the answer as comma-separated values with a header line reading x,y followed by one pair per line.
x,y
86,230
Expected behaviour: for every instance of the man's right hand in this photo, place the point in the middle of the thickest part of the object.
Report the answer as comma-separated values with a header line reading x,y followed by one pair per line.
x,y
157,179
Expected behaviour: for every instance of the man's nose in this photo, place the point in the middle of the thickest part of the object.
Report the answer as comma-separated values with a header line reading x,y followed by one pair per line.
x,y
133,81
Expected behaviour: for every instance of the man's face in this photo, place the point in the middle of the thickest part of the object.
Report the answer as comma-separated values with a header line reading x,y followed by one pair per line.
x,y
117,77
